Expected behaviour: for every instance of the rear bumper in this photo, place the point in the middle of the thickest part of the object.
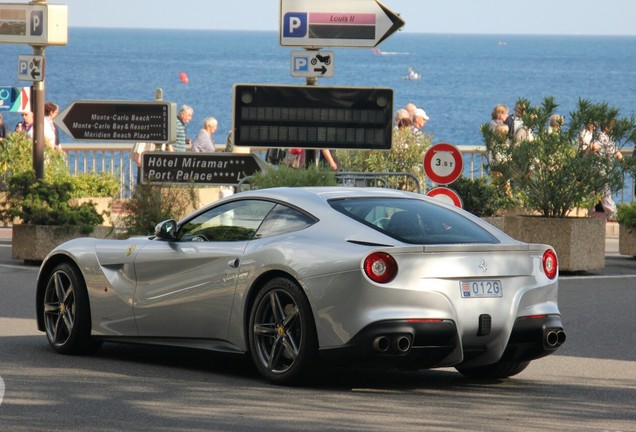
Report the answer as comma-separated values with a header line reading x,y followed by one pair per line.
x,y
422,345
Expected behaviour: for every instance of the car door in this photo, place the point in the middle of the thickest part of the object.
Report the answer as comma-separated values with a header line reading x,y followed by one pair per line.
x,y
185,288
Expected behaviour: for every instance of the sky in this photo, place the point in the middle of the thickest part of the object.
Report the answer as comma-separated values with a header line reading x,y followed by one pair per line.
x,y
569,17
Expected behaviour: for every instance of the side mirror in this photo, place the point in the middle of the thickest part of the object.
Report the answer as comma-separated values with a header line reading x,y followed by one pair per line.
x,y
166,230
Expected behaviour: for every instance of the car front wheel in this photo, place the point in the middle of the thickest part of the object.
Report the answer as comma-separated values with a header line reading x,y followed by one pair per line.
x,y
66,312
282,333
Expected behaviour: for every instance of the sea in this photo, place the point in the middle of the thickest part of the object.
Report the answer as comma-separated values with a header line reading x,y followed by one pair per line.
x,y
462,76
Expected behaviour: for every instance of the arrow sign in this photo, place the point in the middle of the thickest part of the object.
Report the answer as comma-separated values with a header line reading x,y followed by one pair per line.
x,y
336,23
119,121
200,168
312,64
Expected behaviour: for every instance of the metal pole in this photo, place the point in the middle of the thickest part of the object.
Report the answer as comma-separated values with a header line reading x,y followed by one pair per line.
x,y
37,106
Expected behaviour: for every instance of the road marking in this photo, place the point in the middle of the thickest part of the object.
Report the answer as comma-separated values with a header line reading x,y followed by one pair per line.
x,y
1,390
19,267
596,277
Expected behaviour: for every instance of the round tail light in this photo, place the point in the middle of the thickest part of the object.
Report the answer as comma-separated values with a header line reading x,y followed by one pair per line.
x,y
380,267
550,264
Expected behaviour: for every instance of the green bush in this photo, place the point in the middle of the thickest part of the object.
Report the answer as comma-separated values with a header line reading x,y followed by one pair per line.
x,y
93,184
283,175
153,203
406,155
479,196
626,214
45,202
16,157
549,173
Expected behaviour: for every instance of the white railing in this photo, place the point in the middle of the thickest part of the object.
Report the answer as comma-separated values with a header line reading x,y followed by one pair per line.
x,y
115,159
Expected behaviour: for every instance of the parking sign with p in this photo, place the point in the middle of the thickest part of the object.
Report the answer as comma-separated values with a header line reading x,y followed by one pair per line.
x,y
295,24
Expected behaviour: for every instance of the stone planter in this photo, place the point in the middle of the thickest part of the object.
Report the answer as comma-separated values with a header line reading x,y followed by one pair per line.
x,y
578,242
496,221
32,243
627,240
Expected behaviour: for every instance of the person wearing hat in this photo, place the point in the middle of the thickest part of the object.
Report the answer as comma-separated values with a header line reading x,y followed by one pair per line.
x,y
419,120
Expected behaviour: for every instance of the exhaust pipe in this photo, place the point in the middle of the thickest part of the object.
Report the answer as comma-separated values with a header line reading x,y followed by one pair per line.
x,y
560,337
381,344
551,339
554,338
402,344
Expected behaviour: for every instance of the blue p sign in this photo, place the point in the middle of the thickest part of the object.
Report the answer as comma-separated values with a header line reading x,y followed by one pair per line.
x,y
295,24
23,67
301,64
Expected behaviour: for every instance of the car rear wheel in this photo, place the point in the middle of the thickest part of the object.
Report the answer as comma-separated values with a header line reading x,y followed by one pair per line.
x,y
66,312
498,370
282,333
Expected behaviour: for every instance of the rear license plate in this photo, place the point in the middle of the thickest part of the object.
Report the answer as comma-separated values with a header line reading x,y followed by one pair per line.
x,y
481,288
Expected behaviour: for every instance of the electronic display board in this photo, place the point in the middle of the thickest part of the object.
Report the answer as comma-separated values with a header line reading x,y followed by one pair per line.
x,y
312,117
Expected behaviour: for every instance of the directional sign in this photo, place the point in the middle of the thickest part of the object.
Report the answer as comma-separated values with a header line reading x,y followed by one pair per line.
x,y
446,195
200,168
336,23
443,163
31,68
120,121
312,64
33,24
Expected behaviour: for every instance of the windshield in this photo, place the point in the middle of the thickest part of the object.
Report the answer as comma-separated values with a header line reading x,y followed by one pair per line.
x,y
413,221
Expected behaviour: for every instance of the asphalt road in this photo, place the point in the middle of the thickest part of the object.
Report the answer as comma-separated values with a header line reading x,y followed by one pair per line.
x,y
588,385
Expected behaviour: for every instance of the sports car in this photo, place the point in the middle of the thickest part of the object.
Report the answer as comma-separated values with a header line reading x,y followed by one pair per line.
x,y
300,277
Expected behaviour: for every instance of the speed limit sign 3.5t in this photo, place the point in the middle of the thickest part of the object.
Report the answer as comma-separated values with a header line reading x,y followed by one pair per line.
x,y
443,163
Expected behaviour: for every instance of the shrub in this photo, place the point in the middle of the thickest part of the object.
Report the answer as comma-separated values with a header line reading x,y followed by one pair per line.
x,y
550,173
16,157
480,197
45,202
93,184
283,175
406,155
151,204
626,214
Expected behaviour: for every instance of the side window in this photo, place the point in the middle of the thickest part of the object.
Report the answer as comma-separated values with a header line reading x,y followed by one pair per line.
x,y
233,221
283,219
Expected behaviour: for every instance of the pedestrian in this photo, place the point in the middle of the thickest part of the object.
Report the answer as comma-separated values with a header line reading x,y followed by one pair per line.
x,y
410,107
498,116
51,135
586,137
204,141
419,120
403,119
605,146
27,123
4,130
330,160
555,123
517,130
183,118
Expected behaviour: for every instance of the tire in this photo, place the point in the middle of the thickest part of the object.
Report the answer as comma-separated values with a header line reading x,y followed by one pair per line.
x,y
282,333
67,318
498,370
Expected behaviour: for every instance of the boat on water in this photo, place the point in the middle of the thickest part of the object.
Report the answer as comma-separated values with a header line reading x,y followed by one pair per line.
x,y
412,75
